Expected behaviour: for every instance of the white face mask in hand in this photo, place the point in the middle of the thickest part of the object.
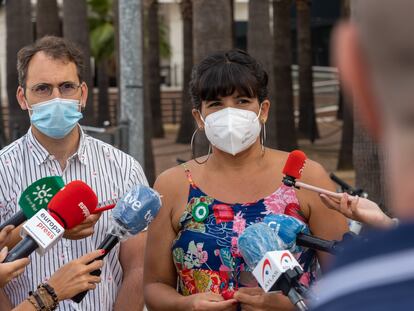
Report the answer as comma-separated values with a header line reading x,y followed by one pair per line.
x,y
232,130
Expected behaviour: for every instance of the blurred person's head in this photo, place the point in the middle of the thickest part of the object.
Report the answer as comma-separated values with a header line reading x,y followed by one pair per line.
x,y
375,56
51,85
229,94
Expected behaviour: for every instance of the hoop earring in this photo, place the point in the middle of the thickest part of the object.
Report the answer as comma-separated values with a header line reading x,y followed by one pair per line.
x,y
193,156
263,138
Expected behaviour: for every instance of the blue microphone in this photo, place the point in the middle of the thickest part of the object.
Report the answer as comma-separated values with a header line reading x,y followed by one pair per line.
x,y
294,233
131,214
274,267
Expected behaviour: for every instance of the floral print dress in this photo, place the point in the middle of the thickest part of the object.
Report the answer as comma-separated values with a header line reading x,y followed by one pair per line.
x,y
205,251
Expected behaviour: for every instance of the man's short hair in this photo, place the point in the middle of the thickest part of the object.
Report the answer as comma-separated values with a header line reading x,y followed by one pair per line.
x,y
55,47
385,33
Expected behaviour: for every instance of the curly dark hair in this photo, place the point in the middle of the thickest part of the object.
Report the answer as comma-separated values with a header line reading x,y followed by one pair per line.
x,y
54,47
222,73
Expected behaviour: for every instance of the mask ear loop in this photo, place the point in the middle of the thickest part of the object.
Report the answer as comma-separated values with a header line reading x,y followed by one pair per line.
x,y
193,155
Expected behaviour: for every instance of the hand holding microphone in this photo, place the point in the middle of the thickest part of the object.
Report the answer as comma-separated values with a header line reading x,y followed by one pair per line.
x,y
10,270
359,209
132,214
34,198
68,208
274,268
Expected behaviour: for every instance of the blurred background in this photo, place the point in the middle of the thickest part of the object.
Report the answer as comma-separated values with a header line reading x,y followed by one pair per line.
x,y
291,38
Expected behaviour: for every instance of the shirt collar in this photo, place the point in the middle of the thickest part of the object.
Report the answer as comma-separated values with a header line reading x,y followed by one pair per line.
x,y
40,154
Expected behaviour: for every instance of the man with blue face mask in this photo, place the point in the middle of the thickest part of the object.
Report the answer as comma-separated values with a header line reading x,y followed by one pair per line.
x,y
52,90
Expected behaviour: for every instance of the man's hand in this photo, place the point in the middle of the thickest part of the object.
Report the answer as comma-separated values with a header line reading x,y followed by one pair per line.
x,y
85,229
12,269
5,235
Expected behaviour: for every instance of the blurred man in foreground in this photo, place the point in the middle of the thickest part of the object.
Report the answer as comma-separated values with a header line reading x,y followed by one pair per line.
x,y
375,56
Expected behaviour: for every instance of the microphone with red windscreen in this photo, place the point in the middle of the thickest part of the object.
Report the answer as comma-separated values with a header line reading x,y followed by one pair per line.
x,y
73,204
67,209
293,169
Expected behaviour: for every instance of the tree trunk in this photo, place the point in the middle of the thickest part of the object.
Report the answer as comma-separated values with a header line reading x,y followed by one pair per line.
x,y
285,121
368,159
2,127
103,96
345,113
19,33
76,29
345,161
115,9
148,152
212,31
187,122
307,117
47,19
154,78
260,46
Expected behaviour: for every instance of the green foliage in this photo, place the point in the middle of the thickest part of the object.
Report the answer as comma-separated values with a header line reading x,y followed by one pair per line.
x,y
102,32
165,48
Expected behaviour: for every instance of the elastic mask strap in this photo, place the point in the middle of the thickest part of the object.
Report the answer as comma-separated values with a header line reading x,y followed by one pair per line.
x,y
201,117
260,111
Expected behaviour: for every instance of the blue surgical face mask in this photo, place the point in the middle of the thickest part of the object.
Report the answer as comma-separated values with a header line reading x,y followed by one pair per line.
x,y
56,117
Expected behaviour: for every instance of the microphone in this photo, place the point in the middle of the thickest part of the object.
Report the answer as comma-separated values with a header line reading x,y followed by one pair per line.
x,y
132,214
293,232
293,169
67,209
275,269
34,198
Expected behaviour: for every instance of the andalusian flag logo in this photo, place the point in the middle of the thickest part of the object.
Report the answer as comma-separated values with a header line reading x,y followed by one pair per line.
x,y
42,194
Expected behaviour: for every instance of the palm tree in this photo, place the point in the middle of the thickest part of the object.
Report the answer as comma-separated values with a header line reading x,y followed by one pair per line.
x,y
153,58
2,128
102,36
285,122
76,29
368,158
19,34
345,156
212,31
260,46
186,123
307,118
47,19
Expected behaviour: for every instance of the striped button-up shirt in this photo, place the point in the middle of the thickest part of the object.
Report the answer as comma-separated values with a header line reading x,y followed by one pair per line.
x,y
107,170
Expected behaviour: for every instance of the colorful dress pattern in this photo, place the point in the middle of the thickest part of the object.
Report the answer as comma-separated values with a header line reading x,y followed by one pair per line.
x,y
205,252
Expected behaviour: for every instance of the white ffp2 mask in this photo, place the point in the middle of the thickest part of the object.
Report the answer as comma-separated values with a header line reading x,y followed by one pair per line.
x,y
232,130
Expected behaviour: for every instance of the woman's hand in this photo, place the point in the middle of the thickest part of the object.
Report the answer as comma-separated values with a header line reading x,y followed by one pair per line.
x,y
256,299
74,278
359,209
210,302
10,270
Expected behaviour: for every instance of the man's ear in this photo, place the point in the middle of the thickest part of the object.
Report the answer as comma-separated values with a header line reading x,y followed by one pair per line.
x,y
84,95
355,76
21,98
197,117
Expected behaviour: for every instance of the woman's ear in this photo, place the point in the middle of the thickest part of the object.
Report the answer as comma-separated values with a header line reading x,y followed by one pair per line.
x,y
198,118
264,110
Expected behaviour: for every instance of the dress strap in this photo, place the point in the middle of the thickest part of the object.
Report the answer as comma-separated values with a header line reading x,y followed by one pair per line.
x,y
188,173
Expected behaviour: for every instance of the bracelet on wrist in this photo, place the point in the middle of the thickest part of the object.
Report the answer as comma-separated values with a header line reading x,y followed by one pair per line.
x,y
51,292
